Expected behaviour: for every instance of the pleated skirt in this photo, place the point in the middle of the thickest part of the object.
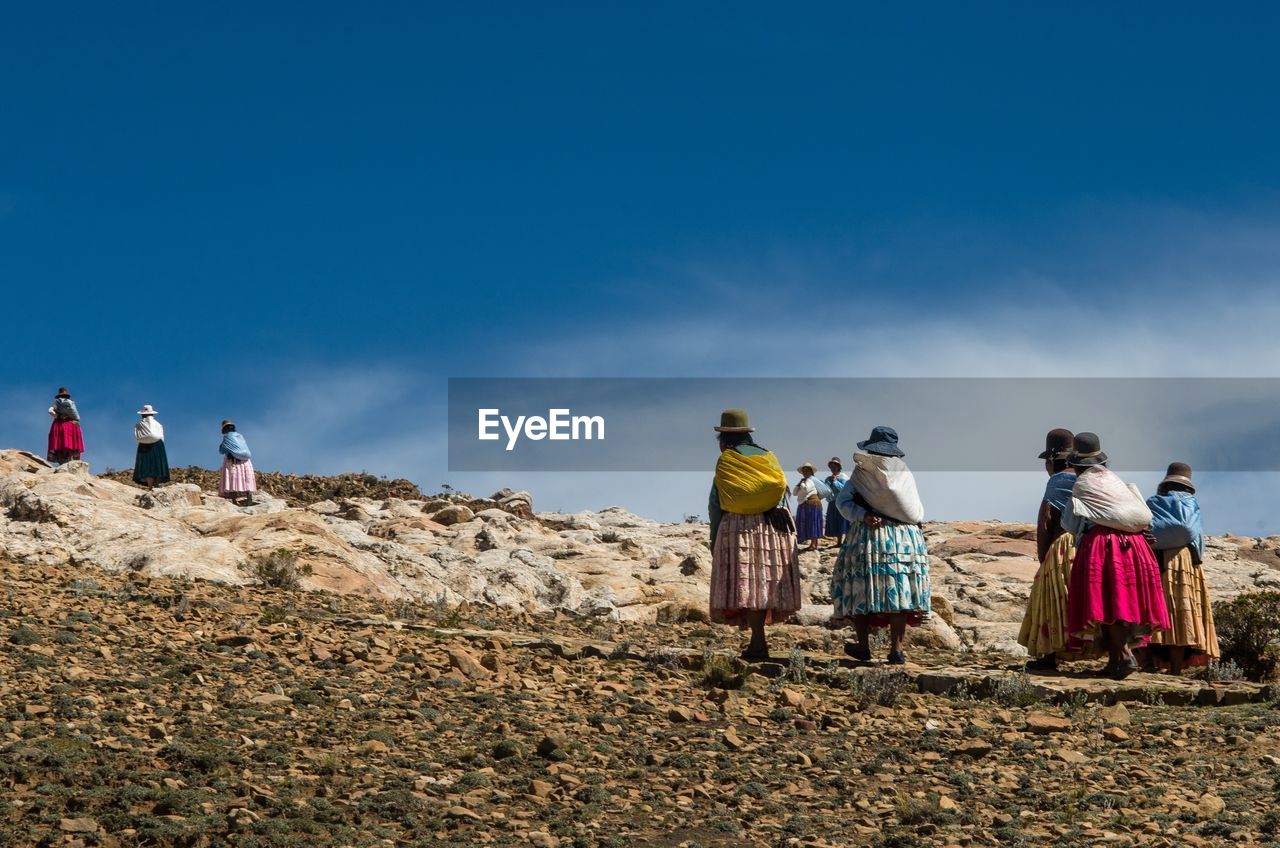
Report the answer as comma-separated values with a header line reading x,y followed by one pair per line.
x,y
808,522
236,477
753,567
66,441
1190,612
1044,626
880,571
151,461
1115,580
837,524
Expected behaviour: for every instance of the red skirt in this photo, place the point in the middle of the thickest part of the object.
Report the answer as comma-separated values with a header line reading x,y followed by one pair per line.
x,y
65,439
1115,579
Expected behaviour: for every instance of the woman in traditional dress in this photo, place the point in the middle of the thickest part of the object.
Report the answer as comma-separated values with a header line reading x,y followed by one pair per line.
x,y
837,525
151,464
881,576
1114,598
236,480
1179,543
1044,627
755,572
66,441
808,507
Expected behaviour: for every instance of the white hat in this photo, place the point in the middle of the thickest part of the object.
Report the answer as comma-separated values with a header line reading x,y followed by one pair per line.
x,y
146,410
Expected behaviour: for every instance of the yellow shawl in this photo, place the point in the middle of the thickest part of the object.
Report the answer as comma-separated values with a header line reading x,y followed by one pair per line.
x,y
749,485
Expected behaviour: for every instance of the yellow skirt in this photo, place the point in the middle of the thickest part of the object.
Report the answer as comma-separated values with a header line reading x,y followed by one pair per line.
x,y
1044,627
1187,597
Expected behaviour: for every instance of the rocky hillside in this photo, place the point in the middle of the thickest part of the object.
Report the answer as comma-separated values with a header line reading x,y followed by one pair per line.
x,y
385,538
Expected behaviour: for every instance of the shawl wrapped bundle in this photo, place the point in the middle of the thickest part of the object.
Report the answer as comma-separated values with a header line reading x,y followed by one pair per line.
x,y
65,409
1103,498
148,431
234,446
887,485
1058,490
749,485
1176,523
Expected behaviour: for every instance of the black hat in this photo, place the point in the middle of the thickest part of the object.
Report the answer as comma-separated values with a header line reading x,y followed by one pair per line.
x,y
1086,450
1057,444
62,392
1179,472
884,441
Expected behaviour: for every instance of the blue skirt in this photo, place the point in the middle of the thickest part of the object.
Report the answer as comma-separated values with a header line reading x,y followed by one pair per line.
x,y
837,524
808,522
151,462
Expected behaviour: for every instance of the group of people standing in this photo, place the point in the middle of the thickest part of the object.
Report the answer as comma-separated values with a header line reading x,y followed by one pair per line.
x,y
236,479
1118,574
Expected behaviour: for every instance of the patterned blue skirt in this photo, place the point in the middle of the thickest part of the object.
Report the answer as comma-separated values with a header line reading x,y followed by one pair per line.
x,y
882,570
837,524
808,522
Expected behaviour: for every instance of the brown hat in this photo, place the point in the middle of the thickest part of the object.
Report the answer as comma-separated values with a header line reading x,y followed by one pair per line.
x,y
1086,450
1179,472
1057,444
227,422
734,421
62,392
835,460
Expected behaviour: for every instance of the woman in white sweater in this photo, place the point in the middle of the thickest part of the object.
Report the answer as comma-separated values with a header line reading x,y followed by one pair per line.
x,y
151,465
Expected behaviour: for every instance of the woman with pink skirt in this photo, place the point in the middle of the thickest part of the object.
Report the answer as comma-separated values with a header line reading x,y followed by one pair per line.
x,y
66,441
236,480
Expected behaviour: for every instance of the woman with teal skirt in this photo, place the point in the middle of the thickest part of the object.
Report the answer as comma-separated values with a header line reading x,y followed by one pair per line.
x,y
151,464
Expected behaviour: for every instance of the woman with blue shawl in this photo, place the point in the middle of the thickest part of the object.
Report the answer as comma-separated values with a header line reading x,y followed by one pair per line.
x,y
1179,544
1044,626
236,480
836,525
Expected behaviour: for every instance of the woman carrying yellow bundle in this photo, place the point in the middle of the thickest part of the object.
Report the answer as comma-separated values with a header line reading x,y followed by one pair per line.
x,y
1044,627
755,574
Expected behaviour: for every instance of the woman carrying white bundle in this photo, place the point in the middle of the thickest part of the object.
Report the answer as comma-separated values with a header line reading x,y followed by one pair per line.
x,y
151,464
881,577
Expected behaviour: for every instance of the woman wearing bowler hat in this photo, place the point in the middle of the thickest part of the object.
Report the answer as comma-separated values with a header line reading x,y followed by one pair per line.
x,y
1044,627
755,571
836,525
1179,543
66,440
236,479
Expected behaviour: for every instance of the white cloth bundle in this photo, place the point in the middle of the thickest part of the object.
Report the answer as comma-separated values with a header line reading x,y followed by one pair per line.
x,y
886,483
148,431
1103,498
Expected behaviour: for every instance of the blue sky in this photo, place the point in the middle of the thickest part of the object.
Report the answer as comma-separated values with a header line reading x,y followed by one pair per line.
x,y
308,217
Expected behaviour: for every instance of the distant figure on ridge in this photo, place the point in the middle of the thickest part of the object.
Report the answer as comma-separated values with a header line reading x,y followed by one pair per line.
x,y
66,441
1114,598
881,577
755,571
236,480
1179,545
837,525
1044,627
151,464
808,507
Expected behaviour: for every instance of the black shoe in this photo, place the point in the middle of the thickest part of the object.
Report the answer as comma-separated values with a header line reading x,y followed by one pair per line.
x,y
897,658
858,652
1048,662
1123,670
755,656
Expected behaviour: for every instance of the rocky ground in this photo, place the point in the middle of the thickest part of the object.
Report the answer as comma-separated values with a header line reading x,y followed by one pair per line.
x,y
140,710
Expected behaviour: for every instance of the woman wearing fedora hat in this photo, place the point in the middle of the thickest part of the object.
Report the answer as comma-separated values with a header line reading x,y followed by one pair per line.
x,y
236,479
1044,626
1114,598
66,440
755,572
151,463
881,576
836,524
808,507
1179,542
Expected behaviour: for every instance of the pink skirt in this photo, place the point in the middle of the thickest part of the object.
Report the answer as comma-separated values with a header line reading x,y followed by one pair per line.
x,y
65,439
1115,579
753,567
236,477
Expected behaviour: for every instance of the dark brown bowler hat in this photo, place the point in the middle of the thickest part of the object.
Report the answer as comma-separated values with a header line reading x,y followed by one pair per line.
x,y
1179,472
1086,450
62,392
1057,444
227,422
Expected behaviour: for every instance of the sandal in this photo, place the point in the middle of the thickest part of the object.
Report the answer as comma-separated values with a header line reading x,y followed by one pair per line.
x,y
858,652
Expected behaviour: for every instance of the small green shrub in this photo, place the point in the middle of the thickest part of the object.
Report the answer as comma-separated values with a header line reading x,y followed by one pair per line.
x,y
879,686
280,570
1249,633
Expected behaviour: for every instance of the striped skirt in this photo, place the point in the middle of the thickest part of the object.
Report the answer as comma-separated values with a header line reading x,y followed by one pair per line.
x,y
753,567
152,461
236,477
882,570
1044,627
808,521
1190,614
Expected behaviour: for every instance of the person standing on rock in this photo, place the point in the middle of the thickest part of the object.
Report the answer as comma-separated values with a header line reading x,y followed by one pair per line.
x,y
808,507
1179,543
66,441
236,480
1044,627
1114,598
881,576
151,463
755,571
836,525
